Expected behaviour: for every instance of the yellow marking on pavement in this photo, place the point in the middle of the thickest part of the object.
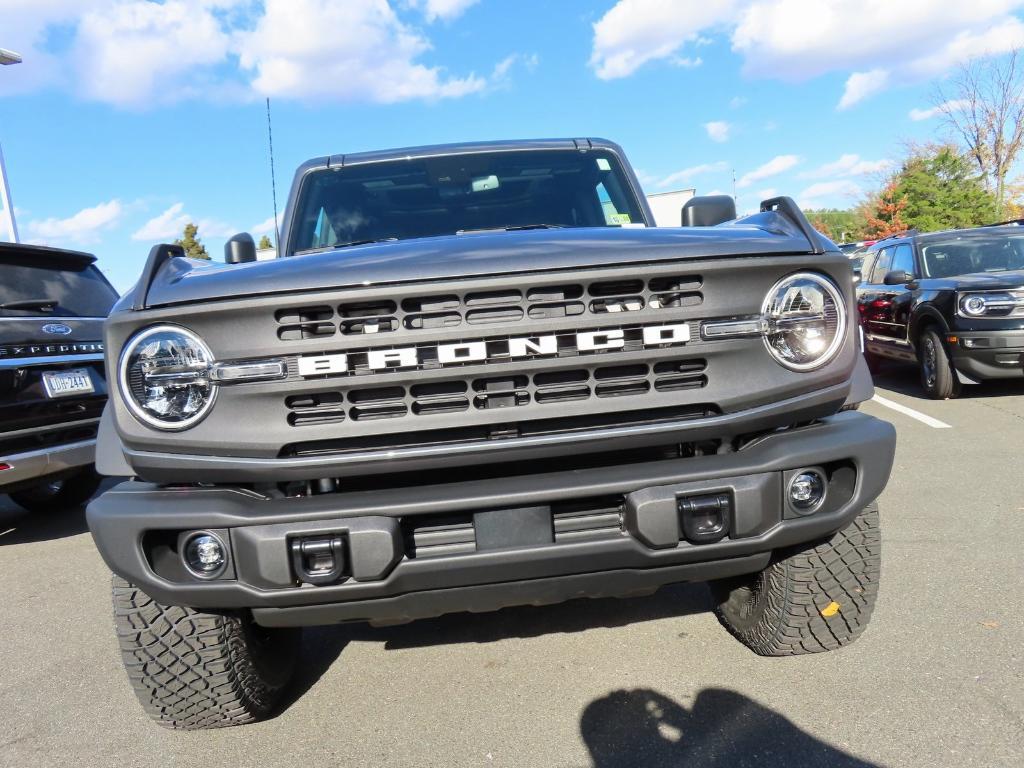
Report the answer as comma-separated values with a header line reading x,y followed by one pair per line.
x,y
830,610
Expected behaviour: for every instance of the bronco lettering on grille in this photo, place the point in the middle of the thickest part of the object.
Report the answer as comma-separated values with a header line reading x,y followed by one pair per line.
x,y
493,350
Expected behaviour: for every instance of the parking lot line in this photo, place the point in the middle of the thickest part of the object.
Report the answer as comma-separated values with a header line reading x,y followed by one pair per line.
x,y
924,418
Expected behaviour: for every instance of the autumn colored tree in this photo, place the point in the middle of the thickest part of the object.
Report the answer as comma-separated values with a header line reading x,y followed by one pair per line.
x,y
838,225
194,248
886,213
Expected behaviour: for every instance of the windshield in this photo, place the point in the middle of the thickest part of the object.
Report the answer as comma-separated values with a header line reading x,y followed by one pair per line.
x,y
31,289
963,256
426,197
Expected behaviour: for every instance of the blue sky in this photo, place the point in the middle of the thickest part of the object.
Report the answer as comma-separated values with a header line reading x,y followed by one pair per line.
x,y
129,117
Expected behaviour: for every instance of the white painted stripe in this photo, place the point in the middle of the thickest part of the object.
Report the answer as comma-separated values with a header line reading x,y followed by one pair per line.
x,y
924,418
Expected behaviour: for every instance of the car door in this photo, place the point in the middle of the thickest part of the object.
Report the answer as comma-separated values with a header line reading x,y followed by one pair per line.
x,y
872,301
900,298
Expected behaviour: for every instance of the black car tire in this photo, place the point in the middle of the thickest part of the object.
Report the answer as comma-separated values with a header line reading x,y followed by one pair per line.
x,y
197,671
64,493
937,375
810,599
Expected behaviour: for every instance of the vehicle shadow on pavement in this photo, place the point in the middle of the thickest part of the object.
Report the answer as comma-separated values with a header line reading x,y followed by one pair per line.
x,y
20,527
905,380
534,621
722,728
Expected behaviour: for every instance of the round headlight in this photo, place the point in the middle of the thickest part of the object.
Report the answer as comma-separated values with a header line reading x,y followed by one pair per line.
x,y
164,374
805,320
974,305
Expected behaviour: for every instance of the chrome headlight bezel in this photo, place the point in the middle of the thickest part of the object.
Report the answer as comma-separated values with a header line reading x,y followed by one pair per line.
x,y
134,406
832,291
994,304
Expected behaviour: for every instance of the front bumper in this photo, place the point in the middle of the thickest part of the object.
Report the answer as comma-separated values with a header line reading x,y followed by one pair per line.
x,y
989,354
45,462
390,578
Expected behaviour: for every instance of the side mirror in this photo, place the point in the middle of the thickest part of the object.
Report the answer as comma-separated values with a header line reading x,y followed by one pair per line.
x,y
856,278
708,210
897,277
240,249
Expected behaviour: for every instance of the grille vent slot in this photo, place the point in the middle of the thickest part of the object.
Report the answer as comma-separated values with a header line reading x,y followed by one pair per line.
x,y
305,323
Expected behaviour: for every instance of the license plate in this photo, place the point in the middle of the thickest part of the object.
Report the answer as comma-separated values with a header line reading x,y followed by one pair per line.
x,y
64,383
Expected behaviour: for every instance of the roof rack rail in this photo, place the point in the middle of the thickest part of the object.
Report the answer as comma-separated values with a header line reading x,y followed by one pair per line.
x,y
788,208
1008,223
905,233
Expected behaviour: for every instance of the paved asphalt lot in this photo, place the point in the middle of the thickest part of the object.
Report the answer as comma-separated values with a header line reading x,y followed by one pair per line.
x,y
937,680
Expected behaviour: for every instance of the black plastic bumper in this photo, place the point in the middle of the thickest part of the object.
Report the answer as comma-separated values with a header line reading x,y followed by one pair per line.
x,y
989,354
388,579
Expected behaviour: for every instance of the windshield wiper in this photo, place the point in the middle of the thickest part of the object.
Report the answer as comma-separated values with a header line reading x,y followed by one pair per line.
x,y
44,305
364,242
512,228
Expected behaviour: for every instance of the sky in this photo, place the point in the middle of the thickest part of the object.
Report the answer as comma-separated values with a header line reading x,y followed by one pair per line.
x,y
129,118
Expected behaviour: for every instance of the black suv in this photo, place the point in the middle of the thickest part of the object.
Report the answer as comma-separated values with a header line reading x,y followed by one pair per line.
x,y
52,384
952,302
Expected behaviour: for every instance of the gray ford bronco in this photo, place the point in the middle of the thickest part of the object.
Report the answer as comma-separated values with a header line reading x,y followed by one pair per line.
x,y
477,377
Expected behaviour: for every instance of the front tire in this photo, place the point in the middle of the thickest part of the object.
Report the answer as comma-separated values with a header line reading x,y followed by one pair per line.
x,y
196,671
937,375
810,599
64,493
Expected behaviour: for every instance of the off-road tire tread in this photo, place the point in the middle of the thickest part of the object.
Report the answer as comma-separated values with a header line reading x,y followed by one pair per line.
x,y
801,583
190,670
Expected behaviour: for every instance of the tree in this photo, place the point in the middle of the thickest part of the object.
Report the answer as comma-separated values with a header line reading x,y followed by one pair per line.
x,y
938,189
838,225
885,213
265,243
194,249
984,106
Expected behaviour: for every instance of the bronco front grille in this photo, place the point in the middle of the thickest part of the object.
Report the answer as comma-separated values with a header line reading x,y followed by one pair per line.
x,y
486,393
444,310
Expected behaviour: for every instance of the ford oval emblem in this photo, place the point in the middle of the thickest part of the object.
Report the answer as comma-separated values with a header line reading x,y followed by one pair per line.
x,y
57,329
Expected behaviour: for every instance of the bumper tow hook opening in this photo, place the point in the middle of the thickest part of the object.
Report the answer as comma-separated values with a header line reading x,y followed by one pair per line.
x,y
705,518
318,560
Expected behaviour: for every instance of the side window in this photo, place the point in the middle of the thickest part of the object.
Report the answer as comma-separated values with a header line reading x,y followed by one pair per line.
x,y
903,259
866,265
881,266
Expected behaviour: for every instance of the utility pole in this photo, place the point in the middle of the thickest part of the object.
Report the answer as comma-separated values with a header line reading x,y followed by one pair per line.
x,y
7,58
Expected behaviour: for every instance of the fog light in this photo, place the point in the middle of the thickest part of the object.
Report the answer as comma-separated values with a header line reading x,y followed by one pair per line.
x,y
205,555
806,491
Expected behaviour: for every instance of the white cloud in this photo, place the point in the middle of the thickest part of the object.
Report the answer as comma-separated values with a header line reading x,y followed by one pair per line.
x,y
849,165
445,10
737,101
167,225
136,53
927,114
767,194
775,166
635,32
860,85
132,54
369,55
688,173
500,74
718,130
827,194
801,39
265,227
170,224
82,228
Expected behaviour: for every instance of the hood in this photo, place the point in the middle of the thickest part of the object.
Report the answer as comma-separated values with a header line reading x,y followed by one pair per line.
x,y
984,281
180,280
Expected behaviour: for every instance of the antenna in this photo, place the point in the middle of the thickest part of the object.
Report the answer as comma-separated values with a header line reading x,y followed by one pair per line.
x,y
273,182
